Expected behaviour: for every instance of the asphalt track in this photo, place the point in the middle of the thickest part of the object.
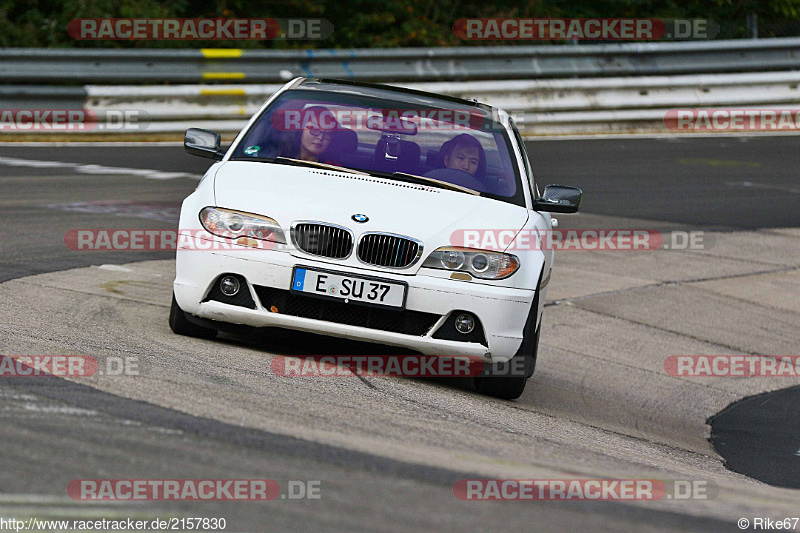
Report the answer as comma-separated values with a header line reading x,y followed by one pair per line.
x,y
701,183
387,453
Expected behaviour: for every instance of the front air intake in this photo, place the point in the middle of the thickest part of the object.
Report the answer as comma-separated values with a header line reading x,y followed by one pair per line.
x,y
326,240
388,250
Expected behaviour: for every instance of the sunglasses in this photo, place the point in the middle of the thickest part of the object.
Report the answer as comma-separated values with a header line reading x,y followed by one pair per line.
x,y
316,132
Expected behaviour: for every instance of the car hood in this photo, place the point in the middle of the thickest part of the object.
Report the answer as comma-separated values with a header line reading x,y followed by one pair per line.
x,y
429,214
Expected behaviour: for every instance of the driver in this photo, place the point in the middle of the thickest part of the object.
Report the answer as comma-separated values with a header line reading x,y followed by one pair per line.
x,y
464,152
313,141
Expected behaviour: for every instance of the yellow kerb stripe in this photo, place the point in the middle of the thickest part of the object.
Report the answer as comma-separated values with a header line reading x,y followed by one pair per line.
x,y
221,53
222,92
223,75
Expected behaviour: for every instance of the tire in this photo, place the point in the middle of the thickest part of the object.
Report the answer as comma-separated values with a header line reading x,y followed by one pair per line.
x,y
503,387
511,387
530,347
181,326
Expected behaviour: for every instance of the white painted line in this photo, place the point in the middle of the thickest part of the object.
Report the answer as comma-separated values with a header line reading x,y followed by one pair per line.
x,y
97,169
62,410
90,144
660,136
754,185
45,499
657,136
114,268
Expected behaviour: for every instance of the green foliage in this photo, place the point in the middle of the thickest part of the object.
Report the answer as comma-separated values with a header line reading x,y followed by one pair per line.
x,y
362,23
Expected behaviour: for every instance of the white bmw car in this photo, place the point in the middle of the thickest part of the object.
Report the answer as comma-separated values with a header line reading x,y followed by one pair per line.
x,y
374,213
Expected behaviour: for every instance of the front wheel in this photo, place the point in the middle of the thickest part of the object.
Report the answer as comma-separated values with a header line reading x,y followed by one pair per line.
x,y
507,380
503,387
179,324
530,347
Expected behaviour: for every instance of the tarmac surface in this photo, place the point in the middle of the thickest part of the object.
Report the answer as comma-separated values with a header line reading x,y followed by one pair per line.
x,y
388,451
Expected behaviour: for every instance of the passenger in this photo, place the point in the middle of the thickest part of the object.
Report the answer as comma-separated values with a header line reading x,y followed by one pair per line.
x,y
313,141
464,152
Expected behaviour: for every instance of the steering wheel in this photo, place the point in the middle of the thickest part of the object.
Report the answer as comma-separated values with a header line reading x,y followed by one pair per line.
x,y
457,177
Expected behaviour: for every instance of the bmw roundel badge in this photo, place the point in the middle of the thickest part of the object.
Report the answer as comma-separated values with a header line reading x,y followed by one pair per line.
x,y
360,218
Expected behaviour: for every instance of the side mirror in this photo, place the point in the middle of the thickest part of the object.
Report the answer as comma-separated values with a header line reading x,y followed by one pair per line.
x,y
559,199
204,143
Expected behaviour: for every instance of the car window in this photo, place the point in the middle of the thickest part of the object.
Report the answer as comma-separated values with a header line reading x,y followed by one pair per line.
x,y
454,143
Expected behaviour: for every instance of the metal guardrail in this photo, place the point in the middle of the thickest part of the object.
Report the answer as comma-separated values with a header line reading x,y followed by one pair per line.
x,y
20,65
700,90
548,89
540,107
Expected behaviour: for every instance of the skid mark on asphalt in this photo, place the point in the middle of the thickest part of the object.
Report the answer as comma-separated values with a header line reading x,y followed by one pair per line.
x,y
97,169
116,287
366,381
166,211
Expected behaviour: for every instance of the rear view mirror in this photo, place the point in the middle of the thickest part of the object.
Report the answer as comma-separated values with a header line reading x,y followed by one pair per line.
x,y
392,124
204,143
559,199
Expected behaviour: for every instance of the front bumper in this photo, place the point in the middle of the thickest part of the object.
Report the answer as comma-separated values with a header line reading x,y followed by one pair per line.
x,y
502,311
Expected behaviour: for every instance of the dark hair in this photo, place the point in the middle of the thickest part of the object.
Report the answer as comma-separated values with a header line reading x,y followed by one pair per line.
x,y
467,141
289,144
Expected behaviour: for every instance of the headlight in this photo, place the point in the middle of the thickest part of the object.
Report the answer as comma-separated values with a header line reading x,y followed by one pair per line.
x,y
480,263
234,224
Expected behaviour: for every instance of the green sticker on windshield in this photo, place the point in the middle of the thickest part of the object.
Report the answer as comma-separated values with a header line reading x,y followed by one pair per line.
x,y
252,150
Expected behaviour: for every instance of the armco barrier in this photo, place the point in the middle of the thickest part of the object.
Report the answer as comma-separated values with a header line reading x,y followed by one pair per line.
x,y
540,107
21,65
617,88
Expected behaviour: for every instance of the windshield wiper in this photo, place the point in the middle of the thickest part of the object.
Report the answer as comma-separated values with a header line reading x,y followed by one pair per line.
x,y
422,180
303,163
299,163
438,183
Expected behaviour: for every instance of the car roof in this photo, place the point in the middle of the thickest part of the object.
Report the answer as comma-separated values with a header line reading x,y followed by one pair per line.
x,y
411,96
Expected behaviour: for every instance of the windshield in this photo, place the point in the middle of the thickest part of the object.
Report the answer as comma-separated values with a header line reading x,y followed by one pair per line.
x,y
454,143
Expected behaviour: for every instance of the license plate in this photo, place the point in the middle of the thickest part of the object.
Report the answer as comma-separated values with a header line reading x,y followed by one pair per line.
x,y
348,288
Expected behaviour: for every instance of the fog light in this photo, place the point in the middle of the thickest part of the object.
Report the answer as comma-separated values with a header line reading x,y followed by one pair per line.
x,y
229,286
465,324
